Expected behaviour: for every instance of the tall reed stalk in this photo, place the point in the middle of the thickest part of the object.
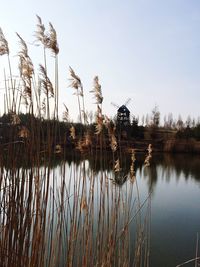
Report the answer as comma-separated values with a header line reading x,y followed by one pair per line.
x,y
59,213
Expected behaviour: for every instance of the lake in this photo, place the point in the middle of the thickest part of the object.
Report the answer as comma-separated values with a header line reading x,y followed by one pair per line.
x,y
80,212
170,191
175,208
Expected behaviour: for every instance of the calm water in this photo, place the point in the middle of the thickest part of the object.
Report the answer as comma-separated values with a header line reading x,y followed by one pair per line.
x,y
174,183
175,208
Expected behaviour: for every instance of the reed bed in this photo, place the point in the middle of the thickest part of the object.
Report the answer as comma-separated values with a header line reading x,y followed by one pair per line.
x,y
67,214
70,216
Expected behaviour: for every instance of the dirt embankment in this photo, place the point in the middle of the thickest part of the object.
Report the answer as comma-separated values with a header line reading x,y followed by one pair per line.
x,y
182,146
164,145
164,140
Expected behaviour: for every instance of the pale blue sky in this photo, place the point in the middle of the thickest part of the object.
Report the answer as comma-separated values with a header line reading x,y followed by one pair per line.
x,y
148,50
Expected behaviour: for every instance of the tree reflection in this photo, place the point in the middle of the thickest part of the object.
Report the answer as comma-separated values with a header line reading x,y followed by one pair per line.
x,y
166,165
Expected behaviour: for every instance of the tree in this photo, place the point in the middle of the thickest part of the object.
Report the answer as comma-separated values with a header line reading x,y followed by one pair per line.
x,y
193,123
155,117
179,123
189,122
170,120
142,120
147,120
165,121
134,122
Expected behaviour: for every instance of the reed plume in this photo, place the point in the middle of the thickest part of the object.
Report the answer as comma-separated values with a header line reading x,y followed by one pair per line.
x,y
113,142
87,139
24,132
47,38
49,41
72,132
97,91
40,32
111,132
15,120
117,166
26,70
149,156
45,82
132,166
24,49
47,87
4,49
75,82
99,121
52,42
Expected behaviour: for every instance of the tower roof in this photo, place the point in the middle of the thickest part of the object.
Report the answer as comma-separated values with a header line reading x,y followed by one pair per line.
x,y
123,109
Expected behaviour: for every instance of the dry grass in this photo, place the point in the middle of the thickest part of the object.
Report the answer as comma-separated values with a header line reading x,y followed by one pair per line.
x,y
70,214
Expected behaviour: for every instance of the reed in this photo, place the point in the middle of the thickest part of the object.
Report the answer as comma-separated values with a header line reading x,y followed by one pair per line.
x,y
55,212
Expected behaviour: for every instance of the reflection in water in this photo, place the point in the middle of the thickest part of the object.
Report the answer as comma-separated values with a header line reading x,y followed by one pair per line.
x,y
189,165
70,212
171,165
89,215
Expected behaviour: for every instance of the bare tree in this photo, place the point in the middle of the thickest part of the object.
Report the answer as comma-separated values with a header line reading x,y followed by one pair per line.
x,y
188,121
170,120
155,116
179,123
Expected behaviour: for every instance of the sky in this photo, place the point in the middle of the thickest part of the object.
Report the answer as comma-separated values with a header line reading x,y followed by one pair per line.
x,y
146,50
